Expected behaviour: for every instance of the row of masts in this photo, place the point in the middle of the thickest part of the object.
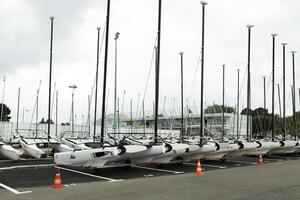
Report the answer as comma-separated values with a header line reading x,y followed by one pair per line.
x,y
157,67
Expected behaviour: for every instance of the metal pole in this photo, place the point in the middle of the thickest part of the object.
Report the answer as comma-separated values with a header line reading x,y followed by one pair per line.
x,y
203,3
157,73
56,114
264,78
182,128
96,89
273,83
238,104
104,73
37,113
2,102
73,113
283,109
18,107
279,102
223,122
294,94
131,116
248,83
115,95
144,125
89,115
50,78
24,112
118,121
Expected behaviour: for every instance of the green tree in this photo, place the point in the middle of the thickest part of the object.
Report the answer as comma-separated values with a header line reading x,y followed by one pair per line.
x,y
218,109
5,114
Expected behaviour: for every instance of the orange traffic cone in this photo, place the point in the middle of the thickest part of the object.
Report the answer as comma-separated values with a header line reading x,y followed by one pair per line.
x,y
57,180
199,170
260,160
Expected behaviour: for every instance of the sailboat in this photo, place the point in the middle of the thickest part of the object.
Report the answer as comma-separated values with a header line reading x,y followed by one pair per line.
x,y
8,152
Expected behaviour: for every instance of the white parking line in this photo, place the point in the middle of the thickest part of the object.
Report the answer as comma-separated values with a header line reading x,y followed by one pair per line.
x,y
205,165
215,166
241,162
13,190
25,166
155,169
187,163
91,175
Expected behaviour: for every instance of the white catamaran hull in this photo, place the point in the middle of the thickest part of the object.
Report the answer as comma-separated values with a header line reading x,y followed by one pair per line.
x,y
177,154
31,150
285,148
8,152
197,152
221,152
263,148
243,148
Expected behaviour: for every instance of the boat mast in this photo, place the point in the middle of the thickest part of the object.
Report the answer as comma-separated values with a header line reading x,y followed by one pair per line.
x,y
203,3
248,83
294,99
283,108
56,114
223,131
273,84
238,104
181,60
115,91
50,77
96,89
104,74
157,73
18,109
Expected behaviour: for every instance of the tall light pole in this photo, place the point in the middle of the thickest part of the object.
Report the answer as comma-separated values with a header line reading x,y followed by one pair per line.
x,y
273,84
96,90
72,112
50,78
115,95
203,3
181,61
283,99
249,83
294,98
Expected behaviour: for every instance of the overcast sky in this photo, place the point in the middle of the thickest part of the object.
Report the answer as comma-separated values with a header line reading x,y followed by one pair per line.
x,y
25,38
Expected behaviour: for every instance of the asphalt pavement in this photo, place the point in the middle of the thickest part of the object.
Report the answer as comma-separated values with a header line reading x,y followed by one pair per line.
x,y
238,178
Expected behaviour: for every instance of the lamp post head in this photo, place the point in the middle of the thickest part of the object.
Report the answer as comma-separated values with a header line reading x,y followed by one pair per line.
x,y
181,53
250,26
223,65
274,34
117,35
293,52
203,3
98,28
284,43
73,86
52,18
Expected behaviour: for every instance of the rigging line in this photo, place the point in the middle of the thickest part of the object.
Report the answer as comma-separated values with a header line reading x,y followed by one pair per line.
x,y
35,105
52,103
151,64
149,72
195,74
